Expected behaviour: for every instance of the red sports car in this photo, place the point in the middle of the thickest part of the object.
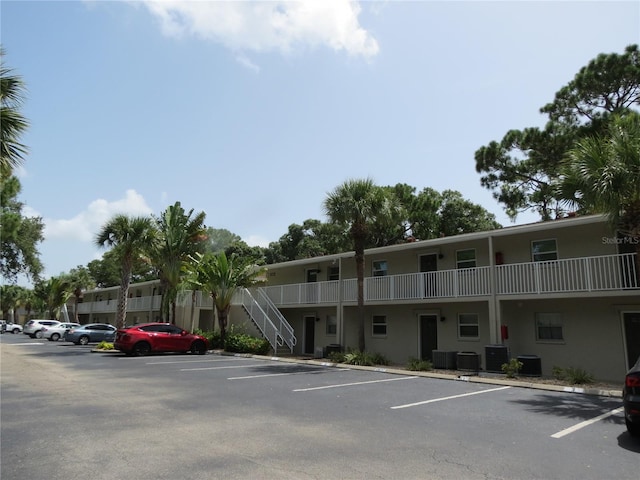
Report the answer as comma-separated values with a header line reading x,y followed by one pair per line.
x,y
146,338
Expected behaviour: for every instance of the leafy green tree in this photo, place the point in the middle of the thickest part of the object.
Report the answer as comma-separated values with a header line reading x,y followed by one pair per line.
x,y
20,236
181,235
602,175
10,299
129,237
610,83
458,215
358,204
54,293
523,167
221,277
219,239
12,123
312,238
106,271
239,248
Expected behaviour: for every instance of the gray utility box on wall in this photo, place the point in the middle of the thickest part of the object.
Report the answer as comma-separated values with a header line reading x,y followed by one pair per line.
x,y
442,359
496,355
468,361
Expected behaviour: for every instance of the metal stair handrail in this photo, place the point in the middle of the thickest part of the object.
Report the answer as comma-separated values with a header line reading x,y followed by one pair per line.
x,y
268,319
284,328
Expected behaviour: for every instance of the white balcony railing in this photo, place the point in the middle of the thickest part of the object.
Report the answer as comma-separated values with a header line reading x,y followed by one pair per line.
x,y
410,286
134,304
610,272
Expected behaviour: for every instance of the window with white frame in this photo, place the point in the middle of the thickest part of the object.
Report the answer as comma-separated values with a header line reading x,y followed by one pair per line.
x,y
380,268
332,325
468,325
466,258
544,250
379,326
549,327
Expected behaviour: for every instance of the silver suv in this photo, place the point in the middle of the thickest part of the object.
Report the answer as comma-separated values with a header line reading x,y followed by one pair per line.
x,y
33,328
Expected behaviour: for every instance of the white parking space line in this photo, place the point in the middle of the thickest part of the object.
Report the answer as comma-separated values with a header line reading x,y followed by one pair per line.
x,y
194,361
448,398
248,377
351,384
221,368
20,344
586,423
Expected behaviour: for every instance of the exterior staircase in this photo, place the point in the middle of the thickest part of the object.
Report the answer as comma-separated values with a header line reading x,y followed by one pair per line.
x,y
268,319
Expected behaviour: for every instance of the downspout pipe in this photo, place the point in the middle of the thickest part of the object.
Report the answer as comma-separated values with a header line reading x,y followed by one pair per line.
x,y
494,305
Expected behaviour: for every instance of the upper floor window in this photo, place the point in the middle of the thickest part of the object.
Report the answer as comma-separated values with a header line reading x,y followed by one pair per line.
x,y
379,326
312,275
380,268
466,258
468,325
544,250
333,273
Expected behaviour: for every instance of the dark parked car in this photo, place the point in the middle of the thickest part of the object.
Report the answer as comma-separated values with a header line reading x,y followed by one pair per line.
x,y
91,333
158,337
631,399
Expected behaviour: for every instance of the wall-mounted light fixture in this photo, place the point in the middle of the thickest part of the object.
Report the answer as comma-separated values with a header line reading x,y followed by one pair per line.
x,y
440,256
442,319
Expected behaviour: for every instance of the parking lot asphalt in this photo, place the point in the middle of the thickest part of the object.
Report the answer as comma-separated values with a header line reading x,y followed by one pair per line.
x,y
471,377
69,414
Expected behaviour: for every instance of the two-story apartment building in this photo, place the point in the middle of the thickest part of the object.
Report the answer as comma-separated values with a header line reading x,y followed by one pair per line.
x,y
565,293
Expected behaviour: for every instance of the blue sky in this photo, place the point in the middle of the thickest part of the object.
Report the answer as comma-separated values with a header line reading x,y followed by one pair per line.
x,y
254,111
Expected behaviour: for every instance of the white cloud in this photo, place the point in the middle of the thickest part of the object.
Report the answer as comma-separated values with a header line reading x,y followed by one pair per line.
x,y
245,62
268,26
256,241
86,224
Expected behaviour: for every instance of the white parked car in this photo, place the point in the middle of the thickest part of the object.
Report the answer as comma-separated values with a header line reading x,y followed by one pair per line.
x,y
11,327
33,328
54,333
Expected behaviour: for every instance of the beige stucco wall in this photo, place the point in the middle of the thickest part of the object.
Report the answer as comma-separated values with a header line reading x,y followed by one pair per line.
x,y
579,241
403,329
592,330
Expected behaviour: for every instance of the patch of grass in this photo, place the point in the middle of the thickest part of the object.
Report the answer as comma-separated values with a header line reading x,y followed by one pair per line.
x,y
575,376
579,376
356,357
104,346
419,365
336,357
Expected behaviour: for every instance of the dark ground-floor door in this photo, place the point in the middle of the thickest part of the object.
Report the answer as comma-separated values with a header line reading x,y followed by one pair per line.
x,y
309,334
428,335
632,335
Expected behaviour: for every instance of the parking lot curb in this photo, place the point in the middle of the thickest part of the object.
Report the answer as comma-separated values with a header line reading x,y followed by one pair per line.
x,y
442,376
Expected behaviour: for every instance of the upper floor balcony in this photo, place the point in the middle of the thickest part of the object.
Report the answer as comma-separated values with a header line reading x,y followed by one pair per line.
x,y
587,274
134,304
574,275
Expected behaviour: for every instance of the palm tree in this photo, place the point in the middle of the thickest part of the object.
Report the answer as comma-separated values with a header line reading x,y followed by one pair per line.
x,y
180,237
12,123
221,277
358,204
54,293
602,175
80,280
129,237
